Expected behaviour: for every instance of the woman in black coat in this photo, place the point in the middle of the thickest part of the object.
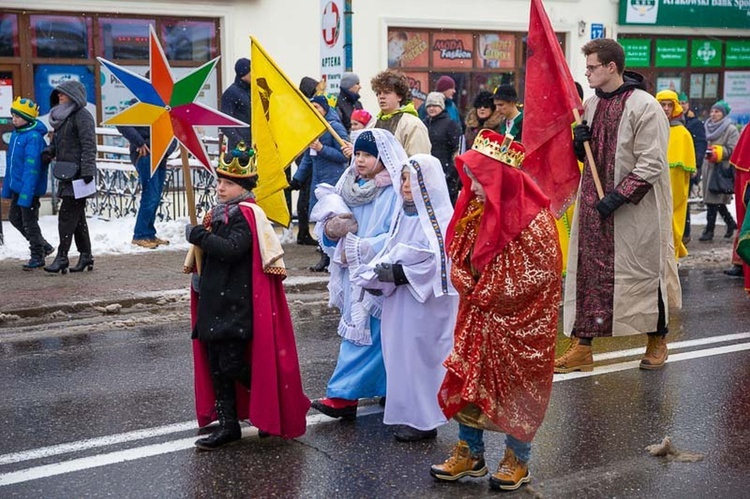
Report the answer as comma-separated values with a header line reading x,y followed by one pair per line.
x,y
445,137
73,140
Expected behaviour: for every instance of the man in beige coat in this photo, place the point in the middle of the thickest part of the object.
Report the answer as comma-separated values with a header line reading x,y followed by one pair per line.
x,y
622,276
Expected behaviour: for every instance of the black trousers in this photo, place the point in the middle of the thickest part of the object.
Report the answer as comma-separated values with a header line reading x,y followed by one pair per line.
x,y
226,359
26,220
71,223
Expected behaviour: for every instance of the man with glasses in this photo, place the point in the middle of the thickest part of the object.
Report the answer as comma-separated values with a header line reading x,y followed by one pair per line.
x,y
622,274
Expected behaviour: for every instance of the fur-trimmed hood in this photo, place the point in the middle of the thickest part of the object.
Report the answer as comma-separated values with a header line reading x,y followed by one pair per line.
x,y
472,120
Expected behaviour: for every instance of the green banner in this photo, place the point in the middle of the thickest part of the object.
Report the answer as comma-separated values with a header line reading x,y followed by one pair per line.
x,y
637,52
706,53
738,54
671,53
691,13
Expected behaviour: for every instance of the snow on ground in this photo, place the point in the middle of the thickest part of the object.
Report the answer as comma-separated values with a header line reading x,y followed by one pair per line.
x,y
107,237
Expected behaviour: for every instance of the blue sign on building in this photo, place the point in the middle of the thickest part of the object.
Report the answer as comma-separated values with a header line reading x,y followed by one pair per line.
x,y
597,31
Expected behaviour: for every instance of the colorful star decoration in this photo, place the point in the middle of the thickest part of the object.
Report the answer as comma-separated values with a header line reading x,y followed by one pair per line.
x,y
168,107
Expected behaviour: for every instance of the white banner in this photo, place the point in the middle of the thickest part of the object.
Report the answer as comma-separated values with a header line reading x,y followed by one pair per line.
x,y
332,36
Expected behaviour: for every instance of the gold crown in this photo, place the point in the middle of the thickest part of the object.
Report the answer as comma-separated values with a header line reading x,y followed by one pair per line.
x,y
239,163
499,147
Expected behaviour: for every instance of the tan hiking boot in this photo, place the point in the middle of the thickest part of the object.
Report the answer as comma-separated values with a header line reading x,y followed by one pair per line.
x,y
145,243
577,357
511,473
460,464
656,352
161,242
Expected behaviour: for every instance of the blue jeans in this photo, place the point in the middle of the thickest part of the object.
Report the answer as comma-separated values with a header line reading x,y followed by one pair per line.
x,y
151,189
475,439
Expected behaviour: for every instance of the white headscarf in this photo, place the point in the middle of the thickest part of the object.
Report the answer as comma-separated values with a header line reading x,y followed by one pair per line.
x,y
390,152
433,203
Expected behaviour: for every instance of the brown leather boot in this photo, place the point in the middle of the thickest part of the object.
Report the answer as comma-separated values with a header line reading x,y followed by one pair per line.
x,y
510,474
656,352
577,357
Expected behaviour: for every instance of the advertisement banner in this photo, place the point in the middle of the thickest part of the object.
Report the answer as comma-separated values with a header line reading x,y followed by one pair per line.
x,y
496,51
738,54
452,50
696,86
671,53
49,76
332,37
6,97
408,49
706,53
737,95
690,13
637,52
419,84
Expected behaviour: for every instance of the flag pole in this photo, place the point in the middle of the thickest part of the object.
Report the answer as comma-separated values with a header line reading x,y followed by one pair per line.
x,y
590,157
194,256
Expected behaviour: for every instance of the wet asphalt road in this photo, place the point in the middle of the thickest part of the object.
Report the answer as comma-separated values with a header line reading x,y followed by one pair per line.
x,y
110,414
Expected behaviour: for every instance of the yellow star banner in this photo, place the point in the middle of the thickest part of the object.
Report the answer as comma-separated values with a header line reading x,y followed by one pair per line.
x,y
283,123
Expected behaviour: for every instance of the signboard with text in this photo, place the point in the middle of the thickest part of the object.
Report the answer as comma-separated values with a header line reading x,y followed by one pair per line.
x,y
738,54
332,37
452,50
691,13
408,49
671,53
637,52
737,95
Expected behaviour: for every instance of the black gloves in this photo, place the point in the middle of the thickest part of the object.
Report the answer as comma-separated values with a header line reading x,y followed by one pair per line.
x,y
610,203
581,134
391,272
294,185
88,178
46,158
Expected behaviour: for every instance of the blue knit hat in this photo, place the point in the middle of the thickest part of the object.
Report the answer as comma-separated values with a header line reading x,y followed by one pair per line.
x,y
366,143
322,102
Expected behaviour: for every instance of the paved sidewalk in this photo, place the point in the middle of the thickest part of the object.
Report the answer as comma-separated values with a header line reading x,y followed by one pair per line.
x,y
126,279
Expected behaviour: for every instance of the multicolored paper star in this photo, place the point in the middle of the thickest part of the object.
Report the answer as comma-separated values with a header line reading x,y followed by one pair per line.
x,y
168,107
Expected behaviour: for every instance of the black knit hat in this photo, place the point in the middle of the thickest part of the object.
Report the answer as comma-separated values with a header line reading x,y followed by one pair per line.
x,y
505,93
484,99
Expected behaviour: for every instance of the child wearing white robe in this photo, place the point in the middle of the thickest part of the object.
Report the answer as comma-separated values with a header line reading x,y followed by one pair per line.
x,y
420,305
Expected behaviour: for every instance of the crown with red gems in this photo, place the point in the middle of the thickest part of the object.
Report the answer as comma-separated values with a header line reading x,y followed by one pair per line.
x,y
499,147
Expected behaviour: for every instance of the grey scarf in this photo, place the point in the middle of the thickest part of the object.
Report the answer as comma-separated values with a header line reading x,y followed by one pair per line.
x,y
714,129
356,194
60,113
222,211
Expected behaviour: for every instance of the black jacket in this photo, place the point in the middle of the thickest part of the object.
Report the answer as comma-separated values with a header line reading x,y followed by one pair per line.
x,y
698,130
345,105
445,135
235,101
75,138
225,309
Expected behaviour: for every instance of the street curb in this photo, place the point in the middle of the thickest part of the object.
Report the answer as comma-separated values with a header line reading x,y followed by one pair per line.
x,y
300,284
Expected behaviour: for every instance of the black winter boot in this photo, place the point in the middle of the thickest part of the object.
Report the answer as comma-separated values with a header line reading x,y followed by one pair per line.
x,y
60,264
322,265
708,232
728,220
229,427
85,261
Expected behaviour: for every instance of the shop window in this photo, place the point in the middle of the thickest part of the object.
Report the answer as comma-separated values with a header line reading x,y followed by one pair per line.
x,y
189,40
61,37
125,38
8,35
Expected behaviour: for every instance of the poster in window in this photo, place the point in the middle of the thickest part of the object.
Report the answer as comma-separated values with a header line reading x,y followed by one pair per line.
x,y
408,49
673,83
496,51
6,97
711,86
737,95
452,50
419,84
696,86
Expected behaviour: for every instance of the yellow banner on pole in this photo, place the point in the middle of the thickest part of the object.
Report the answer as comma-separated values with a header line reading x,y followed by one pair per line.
x,y
283,123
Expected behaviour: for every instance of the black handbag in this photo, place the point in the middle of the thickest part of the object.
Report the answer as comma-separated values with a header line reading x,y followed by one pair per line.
x,y
722,180
64,170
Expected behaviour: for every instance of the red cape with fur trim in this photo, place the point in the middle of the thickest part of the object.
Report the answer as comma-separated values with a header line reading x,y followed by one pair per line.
x,y
275,403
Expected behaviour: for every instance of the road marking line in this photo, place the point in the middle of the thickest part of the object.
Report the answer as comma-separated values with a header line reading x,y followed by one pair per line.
x,y
115,457
672,346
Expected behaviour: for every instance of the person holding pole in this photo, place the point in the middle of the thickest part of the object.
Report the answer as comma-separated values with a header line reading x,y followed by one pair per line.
x,y
622,274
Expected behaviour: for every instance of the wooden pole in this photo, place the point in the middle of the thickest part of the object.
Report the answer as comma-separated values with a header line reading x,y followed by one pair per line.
x,y
590,157
194,255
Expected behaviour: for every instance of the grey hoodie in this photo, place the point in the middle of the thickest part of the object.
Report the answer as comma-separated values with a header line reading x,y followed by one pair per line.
x,y
73,89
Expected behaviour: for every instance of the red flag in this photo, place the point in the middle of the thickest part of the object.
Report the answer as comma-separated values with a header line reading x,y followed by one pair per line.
x,y
549,99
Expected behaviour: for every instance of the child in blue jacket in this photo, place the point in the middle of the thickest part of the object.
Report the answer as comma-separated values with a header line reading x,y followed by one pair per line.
x,y
26,178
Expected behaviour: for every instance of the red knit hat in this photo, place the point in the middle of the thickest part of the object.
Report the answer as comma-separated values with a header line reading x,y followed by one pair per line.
x,y
444,83
362,116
